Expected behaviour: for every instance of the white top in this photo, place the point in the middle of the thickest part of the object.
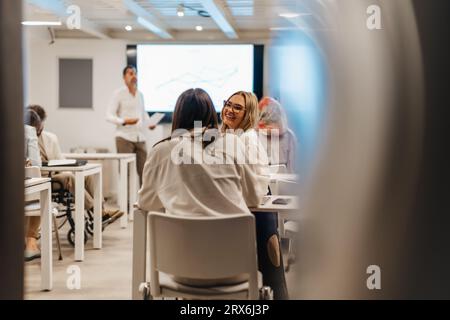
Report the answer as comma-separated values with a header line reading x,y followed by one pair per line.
x,y
32,146
281,149
200,189
255,151
124,105
51,145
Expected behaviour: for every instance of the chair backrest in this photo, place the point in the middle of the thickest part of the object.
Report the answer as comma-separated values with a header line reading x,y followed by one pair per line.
x,y
203,247
32,172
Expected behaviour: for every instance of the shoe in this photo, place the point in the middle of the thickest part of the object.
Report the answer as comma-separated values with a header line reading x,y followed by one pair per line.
x,y
116,216
31,255
108,214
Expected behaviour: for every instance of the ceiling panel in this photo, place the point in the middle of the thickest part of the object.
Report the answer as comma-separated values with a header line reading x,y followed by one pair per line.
x,y
246,15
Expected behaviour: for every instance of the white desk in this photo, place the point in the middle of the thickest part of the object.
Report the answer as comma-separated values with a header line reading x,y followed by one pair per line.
x,y
127,163
284,210
81,172
140,237
43,187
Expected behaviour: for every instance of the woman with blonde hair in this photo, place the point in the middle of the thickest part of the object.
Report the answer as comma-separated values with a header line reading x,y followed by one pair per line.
x,y
240,116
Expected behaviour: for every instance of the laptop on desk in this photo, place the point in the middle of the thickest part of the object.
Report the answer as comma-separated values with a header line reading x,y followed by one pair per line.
x,y
65,163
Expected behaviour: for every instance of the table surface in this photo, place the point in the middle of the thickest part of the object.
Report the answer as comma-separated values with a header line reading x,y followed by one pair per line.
x,y
99,156
86,167
284,176
35,181
268,205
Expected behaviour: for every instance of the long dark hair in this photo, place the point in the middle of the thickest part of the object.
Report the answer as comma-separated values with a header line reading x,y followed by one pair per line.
x,y
194,105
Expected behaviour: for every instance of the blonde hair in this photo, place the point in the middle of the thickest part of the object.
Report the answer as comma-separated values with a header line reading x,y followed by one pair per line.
x,y
251,111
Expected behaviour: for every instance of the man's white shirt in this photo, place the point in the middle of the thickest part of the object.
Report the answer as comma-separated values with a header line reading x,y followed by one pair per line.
x,y
124,105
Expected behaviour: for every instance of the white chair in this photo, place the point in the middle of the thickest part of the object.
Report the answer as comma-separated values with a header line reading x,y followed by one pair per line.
x,y
33,207
204,249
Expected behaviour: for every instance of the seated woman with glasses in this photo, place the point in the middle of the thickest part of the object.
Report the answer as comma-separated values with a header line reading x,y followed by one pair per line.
x,y
240,116
204,179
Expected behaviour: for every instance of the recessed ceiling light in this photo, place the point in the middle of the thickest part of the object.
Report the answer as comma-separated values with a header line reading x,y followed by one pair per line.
x,y
289,15
283,28
199,28
128,28
41,23
180,11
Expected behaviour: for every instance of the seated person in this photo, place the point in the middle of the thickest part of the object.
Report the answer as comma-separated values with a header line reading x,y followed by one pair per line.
x,y
281,143
50,150
33,158
32,120
240,116
207,180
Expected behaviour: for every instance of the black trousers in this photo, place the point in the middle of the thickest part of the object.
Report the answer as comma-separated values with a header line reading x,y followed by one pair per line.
x,y
273,275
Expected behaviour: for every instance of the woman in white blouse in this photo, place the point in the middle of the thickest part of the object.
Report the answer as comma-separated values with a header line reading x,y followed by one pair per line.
x,y
240,116
191,184
206,178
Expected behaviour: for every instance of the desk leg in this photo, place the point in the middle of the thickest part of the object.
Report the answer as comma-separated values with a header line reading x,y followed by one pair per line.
x,y
46,240
139,252
123,193
132,187
79,216
98,199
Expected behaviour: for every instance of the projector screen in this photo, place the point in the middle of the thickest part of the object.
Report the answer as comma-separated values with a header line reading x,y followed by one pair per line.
x,y
165,71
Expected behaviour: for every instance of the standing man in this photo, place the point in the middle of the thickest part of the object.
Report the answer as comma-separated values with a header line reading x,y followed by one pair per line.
x,y
127,112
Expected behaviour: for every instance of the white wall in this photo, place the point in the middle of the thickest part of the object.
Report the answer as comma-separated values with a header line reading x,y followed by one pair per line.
x,y
87,128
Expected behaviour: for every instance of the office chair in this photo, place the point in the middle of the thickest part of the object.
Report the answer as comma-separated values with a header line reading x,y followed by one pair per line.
x,y
203,248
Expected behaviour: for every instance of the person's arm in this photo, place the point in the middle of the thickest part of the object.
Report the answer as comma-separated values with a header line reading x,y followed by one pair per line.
x,y
144,114
32,151
148,199
113,107
253,181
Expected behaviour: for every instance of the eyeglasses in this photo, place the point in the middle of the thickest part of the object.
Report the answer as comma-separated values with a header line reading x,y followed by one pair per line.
x,y
235,107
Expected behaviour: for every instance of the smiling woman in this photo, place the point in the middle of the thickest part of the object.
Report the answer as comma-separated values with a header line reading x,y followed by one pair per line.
x,y
240,111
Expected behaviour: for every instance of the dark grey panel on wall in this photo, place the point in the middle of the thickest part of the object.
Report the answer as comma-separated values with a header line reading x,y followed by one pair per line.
x,y
75,83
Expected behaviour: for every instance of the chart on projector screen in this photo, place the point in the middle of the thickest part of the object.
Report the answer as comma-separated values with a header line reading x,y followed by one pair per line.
x,y
165,71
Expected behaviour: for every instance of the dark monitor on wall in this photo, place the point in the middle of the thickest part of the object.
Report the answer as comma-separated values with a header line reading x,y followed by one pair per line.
x,y
165,71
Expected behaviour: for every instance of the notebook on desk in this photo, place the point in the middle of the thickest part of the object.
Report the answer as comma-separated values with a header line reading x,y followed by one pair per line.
x,y
64,163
